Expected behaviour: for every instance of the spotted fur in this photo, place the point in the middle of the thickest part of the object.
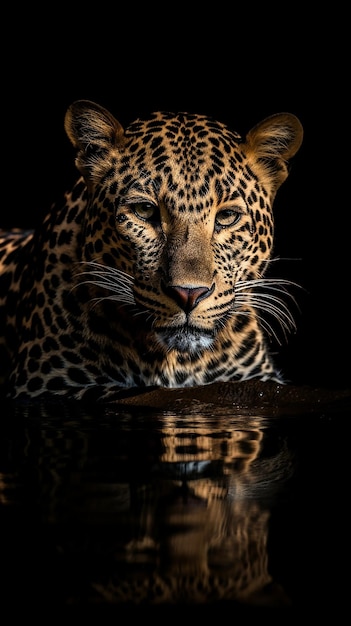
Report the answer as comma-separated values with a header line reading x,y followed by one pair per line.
x,y
152,270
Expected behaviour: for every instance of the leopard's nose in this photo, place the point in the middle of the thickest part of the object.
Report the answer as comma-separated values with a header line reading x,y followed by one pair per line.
x,y
187,297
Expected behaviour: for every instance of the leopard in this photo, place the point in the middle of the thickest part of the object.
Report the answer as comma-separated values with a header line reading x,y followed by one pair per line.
x,y
152,270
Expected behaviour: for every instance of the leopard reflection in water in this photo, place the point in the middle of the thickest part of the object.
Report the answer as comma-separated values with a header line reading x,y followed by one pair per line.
x,y
173,513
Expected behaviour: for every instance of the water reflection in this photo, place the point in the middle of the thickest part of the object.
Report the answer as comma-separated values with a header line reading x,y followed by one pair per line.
x,y
142,509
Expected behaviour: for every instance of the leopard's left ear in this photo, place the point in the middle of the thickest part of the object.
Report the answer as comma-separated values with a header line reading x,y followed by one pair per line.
x,y
273,142
93,131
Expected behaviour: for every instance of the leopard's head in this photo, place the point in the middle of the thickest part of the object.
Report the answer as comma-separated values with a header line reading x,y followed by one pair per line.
x,y
180,209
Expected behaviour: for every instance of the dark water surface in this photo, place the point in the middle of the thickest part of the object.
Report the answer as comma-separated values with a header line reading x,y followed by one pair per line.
x,y
230,498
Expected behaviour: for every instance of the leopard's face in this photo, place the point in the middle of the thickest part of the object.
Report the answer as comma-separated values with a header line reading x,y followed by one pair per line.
x,y
183,206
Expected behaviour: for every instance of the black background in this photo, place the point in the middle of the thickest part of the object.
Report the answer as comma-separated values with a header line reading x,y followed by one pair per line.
x,y
238,68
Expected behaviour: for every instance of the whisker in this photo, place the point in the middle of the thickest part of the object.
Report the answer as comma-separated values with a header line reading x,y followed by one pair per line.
x,y
109,278
265,324
262,294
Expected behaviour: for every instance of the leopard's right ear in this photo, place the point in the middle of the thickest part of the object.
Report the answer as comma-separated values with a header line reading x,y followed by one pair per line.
x,y
94,132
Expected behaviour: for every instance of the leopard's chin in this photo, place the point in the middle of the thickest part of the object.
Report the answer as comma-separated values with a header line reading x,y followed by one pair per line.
x,y
188,339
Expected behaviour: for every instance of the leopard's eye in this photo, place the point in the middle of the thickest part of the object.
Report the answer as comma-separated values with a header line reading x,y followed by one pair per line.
x,y
146,211
227,217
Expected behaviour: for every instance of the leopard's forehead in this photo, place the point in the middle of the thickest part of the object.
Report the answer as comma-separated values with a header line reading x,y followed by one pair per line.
x,y
188,158
196,131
